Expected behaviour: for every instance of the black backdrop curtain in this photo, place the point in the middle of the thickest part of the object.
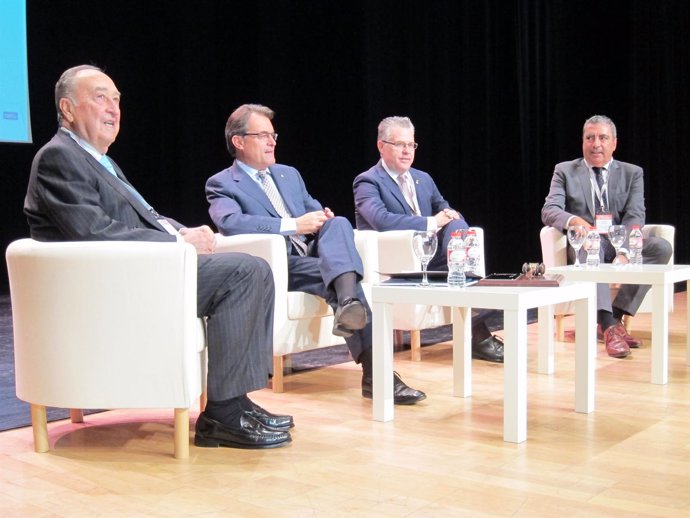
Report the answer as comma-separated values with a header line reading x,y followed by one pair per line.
x,y
498,92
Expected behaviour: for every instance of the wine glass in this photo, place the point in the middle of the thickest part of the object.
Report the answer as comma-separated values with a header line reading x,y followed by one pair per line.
x,y
576,237
617,236
424,245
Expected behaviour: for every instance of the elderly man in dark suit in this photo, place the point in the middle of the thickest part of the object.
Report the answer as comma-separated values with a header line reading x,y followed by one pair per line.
x,y
598,191
255,195
77,192
393,195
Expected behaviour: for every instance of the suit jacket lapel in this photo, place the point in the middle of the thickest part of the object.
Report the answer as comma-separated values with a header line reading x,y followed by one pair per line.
x,y
612,186
586,186
394,188
119,184
250,187
283,187
423,197
116,183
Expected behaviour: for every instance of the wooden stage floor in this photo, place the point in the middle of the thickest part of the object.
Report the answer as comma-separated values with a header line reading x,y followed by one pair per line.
x,y
443,457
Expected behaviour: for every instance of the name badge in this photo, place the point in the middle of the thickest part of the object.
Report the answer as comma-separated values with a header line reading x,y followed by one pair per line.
x,y
603,221
167,226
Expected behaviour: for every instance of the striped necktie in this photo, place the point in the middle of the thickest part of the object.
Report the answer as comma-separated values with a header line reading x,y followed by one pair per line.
x,y
277,201
403,180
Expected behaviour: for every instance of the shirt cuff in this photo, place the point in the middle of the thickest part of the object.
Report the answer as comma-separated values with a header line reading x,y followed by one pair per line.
x,y
431,224
288,226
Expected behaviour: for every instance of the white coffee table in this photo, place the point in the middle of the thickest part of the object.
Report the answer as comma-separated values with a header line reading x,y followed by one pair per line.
x,y
661,277
514,302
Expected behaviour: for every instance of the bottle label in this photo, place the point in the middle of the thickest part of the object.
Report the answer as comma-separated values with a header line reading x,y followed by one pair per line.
x,y
456,256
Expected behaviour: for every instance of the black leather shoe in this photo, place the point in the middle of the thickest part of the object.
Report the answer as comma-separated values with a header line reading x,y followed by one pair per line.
x,y
489,349
350,316
272,422
402,394
249,434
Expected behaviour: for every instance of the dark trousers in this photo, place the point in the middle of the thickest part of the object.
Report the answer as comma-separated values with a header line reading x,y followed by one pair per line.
x,y
235,292
332,252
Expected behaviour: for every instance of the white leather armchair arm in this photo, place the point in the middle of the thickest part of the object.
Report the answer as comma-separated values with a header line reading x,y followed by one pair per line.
x,y
302,321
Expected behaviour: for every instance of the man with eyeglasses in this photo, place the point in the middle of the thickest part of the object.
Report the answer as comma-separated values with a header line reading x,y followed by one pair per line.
x,y
257,196
394,196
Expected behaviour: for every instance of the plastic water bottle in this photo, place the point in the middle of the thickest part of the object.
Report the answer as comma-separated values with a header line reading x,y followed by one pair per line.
x,y
592,245
474,253
635,242
456,260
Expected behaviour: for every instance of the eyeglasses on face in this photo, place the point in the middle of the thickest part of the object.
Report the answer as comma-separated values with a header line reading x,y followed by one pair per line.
x,y
262,135
401,145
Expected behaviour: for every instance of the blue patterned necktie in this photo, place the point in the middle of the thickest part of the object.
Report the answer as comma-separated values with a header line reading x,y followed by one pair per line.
x,y
277,201
105,162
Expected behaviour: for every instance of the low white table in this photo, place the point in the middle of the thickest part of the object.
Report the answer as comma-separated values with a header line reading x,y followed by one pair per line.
x,y
661,277
514,302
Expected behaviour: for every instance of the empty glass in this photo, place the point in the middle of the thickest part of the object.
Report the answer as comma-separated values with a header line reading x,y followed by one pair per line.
x,y
576,237
617,236
424,245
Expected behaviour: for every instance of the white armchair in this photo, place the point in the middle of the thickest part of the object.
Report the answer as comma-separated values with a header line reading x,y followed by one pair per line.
x,y
395,255
302,321
554,249
106,325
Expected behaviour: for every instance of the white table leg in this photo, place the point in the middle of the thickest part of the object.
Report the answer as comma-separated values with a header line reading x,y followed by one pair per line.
x,y
462,352
545,356
515,376
382,356
660,294
585,352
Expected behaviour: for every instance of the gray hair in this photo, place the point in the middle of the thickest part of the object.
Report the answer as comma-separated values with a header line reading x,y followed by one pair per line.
x,y
238,120
389,123
64,88
601,119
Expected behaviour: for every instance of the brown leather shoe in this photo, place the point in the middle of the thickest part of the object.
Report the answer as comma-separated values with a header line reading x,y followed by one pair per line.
x,y
616,346
632,342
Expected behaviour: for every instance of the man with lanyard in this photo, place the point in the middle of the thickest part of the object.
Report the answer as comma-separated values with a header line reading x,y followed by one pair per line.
x,y
597,190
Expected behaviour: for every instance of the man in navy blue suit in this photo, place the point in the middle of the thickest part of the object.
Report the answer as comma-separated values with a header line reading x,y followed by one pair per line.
x,y
393,195
257,196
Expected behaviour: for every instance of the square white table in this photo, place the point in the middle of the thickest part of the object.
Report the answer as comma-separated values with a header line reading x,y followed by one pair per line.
x,y
661,277
514,302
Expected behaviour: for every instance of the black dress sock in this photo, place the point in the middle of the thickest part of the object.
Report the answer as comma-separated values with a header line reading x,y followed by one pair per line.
x,y
345,286
480,332
606,319
618,313
227,412
366,361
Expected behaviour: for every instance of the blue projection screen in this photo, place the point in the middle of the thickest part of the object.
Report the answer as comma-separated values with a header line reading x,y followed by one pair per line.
x,y
15,125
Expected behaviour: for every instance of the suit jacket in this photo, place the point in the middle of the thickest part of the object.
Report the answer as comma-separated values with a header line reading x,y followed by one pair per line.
x,y
571,191
380,204
72,197
238,205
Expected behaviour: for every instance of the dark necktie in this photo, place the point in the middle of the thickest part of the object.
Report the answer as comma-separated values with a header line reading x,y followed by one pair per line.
x,y
277,201
599,176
